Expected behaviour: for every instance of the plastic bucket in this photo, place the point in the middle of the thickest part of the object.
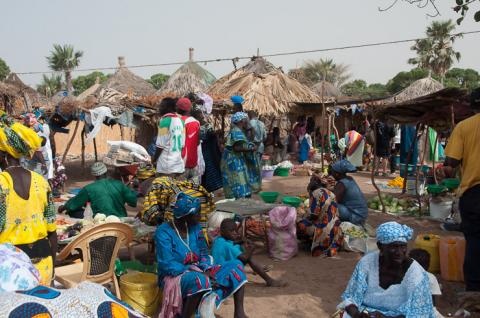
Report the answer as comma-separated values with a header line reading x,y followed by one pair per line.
x,y
267,174
430,243
141,291
440,209
282,172
410,186
452,256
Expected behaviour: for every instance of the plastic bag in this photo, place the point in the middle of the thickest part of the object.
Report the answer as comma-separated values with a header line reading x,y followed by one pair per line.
x,y
137,150
282,235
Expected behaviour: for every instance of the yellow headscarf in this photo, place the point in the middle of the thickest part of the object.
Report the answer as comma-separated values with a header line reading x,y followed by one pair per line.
x,y
17,139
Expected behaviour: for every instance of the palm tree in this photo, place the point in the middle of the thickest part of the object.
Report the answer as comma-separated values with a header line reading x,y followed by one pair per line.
x,y
64,59
326,70
50,85
436,53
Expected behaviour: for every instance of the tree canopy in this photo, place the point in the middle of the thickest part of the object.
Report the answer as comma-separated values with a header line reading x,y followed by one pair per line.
x,y
313,72
360,88
83,82
64,58
50,85
4,70
462,78
404,79
157,80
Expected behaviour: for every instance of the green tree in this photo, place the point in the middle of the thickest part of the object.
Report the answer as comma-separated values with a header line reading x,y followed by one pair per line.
x,y
360,88
157,80
64,59
50,85
463,6
83,82
404,79
436,53
326,70
462,78
4,70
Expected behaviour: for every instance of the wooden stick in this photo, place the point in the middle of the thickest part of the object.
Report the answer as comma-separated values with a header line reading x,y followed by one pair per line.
x,y
95,149
82,134
419,197
372,175
122,133
70,142
433,161
322,129
329,131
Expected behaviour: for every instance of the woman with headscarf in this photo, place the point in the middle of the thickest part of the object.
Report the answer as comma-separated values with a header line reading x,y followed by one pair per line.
x,y
322,226
241,176
388,283
27,212
352,206
187,273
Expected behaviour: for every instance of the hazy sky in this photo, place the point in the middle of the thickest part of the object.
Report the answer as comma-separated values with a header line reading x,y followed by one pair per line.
x,y
159,31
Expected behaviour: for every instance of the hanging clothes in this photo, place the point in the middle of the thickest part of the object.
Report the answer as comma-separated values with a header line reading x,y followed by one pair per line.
x,y
407,137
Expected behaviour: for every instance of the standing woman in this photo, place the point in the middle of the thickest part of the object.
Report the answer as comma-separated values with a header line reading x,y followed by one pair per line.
x,y
27,213
240,177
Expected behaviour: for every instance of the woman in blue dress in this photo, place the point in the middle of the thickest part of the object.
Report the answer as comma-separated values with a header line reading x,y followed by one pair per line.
x,y
182,254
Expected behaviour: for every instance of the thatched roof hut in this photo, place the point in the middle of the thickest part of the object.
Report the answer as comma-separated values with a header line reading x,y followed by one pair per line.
x,y
264,87
419,88
32,97
91,91
124,81
189,78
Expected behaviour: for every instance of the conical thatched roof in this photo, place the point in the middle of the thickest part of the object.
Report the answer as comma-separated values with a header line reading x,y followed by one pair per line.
x,y
124,81
329,90
421,87
264,87
189,78
35,99
91,91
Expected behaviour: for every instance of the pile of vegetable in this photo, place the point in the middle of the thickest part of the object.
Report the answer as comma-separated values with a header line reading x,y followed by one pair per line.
x,y
101,218
355,232
393,205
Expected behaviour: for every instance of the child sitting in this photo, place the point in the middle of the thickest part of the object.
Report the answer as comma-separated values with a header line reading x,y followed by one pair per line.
x,y
228,247
423,258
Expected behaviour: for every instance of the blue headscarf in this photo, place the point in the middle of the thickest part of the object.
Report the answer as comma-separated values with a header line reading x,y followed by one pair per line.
x,y
393,232
343,166
238,117
185,205
237,99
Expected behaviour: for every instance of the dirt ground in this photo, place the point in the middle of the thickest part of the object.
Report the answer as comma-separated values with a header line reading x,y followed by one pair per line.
x,y
315,284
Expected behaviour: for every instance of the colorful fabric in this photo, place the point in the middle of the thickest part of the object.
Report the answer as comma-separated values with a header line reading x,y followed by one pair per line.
x,y
343,166
192,140
172,302
107,196
30,120
282,234
156,206
25,221
238,117
464,145
16,270
393,232
237,99
185,205
239,169
353,139
85,300
16,139
45,269
176,256
59,177
322,228
411,298
225,250
305,146
171,139
184,104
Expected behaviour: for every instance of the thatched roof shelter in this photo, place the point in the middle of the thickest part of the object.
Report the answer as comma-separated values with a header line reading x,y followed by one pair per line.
x,y
421,87
265,88
326,89
31,96
189,78
91,91
124,81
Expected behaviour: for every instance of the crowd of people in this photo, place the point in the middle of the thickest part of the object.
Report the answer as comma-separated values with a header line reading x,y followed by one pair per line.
x,y
195,273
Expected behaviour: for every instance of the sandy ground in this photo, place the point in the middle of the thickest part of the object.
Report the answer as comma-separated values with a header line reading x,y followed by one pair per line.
x,y
315,284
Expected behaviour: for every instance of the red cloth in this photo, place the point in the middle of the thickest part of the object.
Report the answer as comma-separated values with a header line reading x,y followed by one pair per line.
x,y
184,104
192,139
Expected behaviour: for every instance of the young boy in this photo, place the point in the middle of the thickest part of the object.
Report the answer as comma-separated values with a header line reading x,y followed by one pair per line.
x,y
423,258
226,247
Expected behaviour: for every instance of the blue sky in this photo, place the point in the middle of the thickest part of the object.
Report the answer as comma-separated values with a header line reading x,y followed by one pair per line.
x,y
159,31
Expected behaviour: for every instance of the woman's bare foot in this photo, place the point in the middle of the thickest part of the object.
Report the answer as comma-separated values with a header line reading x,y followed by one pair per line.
x,y
276,283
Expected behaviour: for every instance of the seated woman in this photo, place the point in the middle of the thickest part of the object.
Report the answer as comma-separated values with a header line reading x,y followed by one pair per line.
x,y
322,227
352,205
388,283
186,270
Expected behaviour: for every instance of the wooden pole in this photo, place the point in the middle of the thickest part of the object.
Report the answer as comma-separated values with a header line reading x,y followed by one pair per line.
x,y
95,149
323,124
329,131
372,175
433,161
82,134
122,133
70,142
419,197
